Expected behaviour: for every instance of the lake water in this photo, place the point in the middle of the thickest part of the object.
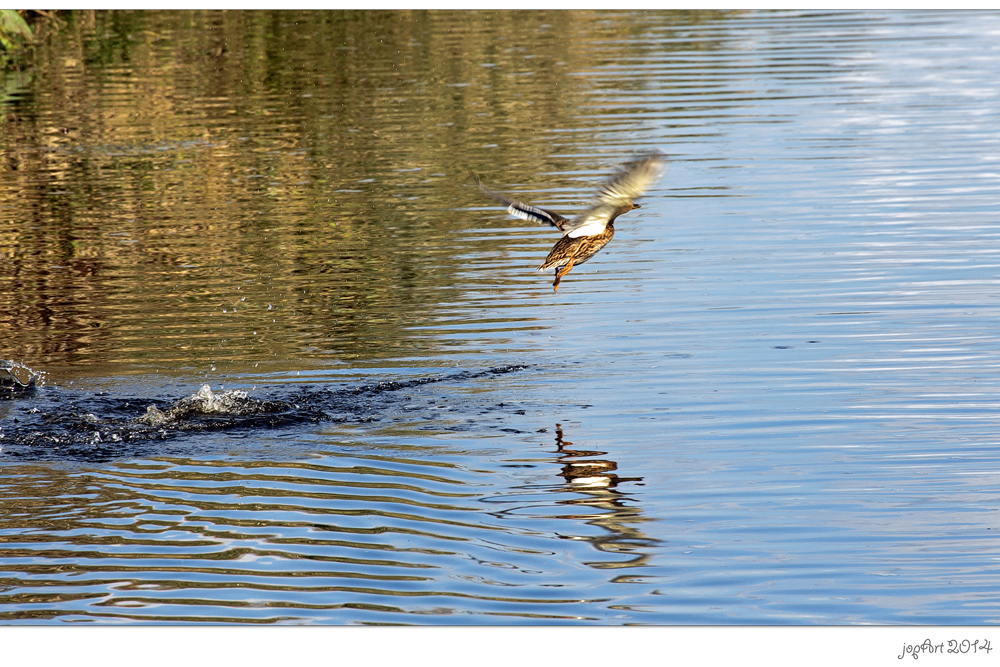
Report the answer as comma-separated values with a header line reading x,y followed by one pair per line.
x,y
774,398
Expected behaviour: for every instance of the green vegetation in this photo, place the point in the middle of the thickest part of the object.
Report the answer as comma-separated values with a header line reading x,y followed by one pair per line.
x,y
14,33
17,34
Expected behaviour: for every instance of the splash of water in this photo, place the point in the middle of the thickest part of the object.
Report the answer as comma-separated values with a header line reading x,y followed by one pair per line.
x,y
16,378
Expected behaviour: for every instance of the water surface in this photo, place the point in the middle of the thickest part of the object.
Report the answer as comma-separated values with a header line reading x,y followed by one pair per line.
x,y
772,399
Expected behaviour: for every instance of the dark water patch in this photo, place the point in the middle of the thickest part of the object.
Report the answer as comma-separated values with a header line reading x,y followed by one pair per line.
x,y
65,424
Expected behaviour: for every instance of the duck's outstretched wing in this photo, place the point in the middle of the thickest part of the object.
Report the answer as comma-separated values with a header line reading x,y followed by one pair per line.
x,y
521,210
630,182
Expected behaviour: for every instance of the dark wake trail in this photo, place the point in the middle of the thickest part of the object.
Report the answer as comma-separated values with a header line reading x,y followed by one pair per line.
x,y
56,423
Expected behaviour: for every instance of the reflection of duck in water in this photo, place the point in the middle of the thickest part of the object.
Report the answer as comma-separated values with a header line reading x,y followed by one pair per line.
x,y
596,484
582,471
584,237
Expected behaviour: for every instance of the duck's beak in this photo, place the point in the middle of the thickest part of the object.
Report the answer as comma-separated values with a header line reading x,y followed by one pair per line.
x,y
636,206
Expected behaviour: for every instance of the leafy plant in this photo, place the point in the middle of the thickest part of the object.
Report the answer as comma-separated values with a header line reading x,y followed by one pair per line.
x,y
13,30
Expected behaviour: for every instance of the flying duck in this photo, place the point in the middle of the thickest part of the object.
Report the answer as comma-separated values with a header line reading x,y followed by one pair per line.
x,y
584,237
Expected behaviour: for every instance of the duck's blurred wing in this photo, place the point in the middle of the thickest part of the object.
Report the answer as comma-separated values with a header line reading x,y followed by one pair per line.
x,y
527,212
521,210
631,181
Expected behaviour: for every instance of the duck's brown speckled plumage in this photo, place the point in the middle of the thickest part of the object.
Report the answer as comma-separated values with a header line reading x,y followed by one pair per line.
x,y
584,238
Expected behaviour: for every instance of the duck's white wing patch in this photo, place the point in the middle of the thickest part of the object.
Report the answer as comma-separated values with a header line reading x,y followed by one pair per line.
x,y
591,229
592,222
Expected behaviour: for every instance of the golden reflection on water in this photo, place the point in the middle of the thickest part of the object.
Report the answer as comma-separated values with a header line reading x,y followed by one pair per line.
x,y
186,190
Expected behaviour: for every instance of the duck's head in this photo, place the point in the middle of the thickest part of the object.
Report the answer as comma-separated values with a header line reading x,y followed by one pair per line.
x,y
624,208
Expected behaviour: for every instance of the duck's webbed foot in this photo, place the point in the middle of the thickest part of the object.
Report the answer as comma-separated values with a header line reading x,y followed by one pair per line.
x,y
560,273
